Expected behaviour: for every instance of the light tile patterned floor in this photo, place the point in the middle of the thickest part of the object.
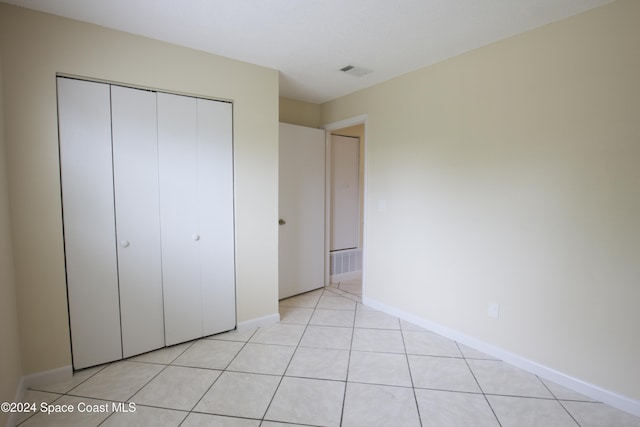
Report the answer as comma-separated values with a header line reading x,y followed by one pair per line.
x,y
330,362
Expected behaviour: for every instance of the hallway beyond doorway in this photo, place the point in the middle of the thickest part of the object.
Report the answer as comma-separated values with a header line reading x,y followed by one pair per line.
x,y
350,284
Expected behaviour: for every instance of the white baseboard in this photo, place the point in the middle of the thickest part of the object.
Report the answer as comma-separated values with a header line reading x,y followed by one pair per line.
x,y
46,377
258,322
13,416
621,402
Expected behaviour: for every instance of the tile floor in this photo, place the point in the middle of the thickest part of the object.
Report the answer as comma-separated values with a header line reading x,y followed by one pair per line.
x,y
331,361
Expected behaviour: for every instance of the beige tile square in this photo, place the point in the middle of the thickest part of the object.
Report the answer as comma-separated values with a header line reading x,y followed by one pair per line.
x,y
336,303
368,405
430,344
333,291
307,300
262,359
277,424
376,320
206,420
408,326
118,381
280,334
472,353
528,412
307,401
362,307
442,373
353,287
209,354
164,355
356,298
235,335
590,414
563,393
146,416
176,387
328,337
445,408
240,395
295,315
497,377
385,341
379,368
319,363
325,317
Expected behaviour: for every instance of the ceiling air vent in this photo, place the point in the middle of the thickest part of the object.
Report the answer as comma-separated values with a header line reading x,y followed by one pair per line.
x,y
355,71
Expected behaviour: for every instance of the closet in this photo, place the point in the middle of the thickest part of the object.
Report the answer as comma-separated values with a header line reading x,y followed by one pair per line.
x,y
147,196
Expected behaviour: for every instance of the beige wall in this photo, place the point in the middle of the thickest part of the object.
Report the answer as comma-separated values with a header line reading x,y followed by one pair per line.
x,y
510,175
36,46
10,364
299,113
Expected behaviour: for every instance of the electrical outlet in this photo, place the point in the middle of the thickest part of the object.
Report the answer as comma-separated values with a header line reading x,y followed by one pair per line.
x,y
494,310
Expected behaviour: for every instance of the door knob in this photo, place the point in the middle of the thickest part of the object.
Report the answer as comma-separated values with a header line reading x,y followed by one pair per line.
x,y
282,221
124,243
196,237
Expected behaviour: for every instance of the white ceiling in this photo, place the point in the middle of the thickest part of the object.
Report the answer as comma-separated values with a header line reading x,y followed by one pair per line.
x,y
308,41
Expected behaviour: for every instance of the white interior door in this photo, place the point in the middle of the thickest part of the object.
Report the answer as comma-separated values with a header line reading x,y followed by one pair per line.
x,y
135,163
178,160
302,209
89,223
345,203
215,215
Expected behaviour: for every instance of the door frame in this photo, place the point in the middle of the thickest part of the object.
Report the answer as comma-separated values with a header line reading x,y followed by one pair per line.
x,y
328,128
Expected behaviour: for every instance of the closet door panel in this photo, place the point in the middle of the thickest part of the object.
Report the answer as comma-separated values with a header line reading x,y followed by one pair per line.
x,y
89,224
178,160
135,162
215,215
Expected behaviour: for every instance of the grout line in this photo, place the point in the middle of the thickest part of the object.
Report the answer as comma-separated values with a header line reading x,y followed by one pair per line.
x,y
346,379
331,294
292,356
478,383
222,371
558,400
413,388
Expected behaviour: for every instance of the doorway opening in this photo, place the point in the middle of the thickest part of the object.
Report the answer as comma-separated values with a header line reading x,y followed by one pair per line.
x,y
345,198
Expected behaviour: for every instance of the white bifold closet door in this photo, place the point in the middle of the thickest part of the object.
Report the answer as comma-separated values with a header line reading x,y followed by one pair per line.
x,y
135,163
215,216
147,195
89,222
196,207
